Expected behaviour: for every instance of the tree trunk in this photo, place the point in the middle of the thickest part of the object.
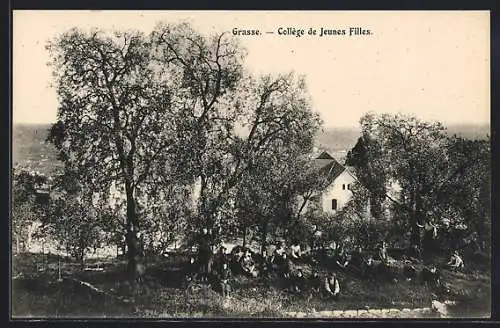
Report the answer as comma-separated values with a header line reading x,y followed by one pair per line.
x,y
245,236
59,278
81,260
17,244
415,230
135,265
414,218
263,240
263,245
133,254
123,246
302,206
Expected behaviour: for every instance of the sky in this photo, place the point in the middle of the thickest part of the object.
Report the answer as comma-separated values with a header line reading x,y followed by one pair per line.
x,y
435,65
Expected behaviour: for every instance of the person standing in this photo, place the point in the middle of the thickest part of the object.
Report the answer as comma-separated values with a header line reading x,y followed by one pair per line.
x,y
225,279
430,235
204,254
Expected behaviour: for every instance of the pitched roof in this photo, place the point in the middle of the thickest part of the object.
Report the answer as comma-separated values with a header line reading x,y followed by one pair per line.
x,y
321,163
334,170
325,155
327,164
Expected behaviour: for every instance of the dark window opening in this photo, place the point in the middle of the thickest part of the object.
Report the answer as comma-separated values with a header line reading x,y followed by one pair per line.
x,y
348,187
343,186
334,204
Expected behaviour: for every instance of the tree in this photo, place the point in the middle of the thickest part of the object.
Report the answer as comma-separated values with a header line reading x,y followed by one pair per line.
x,y
77,219
229,117
464,189
210,71
28,204
275,153
371,171
431,168
164,223
114,118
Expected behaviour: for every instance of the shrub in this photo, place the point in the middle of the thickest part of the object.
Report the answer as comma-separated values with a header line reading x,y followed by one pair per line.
x,y
354,231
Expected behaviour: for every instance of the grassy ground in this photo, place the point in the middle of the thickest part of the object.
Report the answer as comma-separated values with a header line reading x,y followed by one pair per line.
x,y
39,294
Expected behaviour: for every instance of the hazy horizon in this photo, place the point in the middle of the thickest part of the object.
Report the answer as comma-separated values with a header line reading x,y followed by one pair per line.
x,y
486,124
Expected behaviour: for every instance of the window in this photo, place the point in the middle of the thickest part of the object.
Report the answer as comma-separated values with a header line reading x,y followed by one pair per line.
x,y
334,204
343,186
348,187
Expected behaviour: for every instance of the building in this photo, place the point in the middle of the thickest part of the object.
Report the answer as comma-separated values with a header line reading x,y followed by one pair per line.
x,y
338,185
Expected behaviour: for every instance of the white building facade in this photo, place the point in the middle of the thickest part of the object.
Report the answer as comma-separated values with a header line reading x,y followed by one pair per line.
x,y
338,193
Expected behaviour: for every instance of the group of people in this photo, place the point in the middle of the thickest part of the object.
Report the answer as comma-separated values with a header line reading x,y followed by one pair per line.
x,y
219,268
284,261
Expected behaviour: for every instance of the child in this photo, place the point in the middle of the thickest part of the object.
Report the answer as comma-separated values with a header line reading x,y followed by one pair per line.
x,y
332,286
224,280
284,267
430,276
455,261
315,282
299,282
295,252
192,270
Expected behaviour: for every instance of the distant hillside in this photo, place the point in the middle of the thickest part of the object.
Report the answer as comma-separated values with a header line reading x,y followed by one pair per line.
x,y
470,131
337,139
340,140
29,148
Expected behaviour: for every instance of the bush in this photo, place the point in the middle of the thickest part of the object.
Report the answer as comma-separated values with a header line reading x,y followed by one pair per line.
x,y
353,231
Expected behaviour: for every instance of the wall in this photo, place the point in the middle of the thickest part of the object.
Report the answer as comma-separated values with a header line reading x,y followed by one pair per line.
x,y
335,191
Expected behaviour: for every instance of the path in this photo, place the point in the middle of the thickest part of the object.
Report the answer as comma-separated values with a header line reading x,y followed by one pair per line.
x,y
372,313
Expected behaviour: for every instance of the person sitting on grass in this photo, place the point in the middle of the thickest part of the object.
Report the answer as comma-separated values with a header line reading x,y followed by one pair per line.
x,y
284,267
358,261
298,282
341,258
279,251
332,286
220,258
431,276
248,264
278,254
455,261
383,255
315,282
192,269
295,252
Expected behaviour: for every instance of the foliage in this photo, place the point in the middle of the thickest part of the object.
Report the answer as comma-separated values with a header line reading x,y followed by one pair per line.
x,y
28,203
437,174
116,117
147,116
204,74
282,127
371,170
76,219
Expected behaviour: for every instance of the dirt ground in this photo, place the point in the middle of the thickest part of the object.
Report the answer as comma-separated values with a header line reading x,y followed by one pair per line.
x,y
164,294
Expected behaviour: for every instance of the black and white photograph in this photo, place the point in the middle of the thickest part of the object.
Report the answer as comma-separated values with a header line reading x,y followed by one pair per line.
x,y
298,165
